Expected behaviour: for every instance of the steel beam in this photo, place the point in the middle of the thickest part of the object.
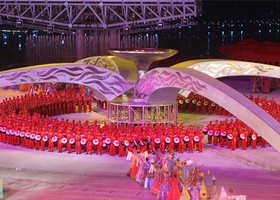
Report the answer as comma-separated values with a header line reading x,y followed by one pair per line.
x,y
104,14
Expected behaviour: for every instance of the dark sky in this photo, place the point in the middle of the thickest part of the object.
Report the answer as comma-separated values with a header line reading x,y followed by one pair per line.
x,y
240,9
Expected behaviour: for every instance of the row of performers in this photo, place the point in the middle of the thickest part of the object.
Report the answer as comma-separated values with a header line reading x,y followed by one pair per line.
x,y
198,104
269,105
195,103
232,134
49,104
89,143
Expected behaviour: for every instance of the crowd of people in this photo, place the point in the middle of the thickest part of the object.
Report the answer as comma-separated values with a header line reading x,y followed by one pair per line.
x,y
253,51
41,133
264,84
25,120
234,133
196,103
170,178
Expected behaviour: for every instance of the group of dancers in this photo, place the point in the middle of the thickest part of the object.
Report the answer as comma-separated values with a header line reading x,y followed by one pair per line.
x,y
170,178
264,84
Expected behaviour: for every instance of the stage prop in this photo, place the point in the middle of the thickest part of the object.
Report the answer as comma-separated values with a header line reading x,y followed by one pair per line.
x,y
100,80
134,107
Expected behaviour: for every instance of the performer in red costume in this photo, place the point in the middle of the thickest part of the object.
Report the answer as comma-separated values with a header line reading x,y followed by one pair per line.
x,y
211,108
4,135
180,100
78,143
181,144
37,140
245,139
32,139
210,132
69,145
84,103
51,143
204,107
80,102
18,138
99,148
198,108
89,139
13,133
59,142
8,133
223,133
254,140
191,143
229,137
152,142
174,192
162,143
89,102
113,147
216,136
22,135
234,139
171,146
201,139
68,104
59,104
44,138
121,146
192,105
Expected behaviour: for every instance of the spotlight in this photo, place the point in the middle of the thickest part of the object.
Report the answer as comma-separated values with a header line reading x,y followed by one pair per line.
x,y
50,29
184,22
19,23
160,25
126,29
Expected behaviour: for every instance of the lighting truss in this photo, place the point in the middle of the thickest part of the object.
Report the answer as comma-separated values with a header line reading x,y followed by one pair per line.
x,y
96,14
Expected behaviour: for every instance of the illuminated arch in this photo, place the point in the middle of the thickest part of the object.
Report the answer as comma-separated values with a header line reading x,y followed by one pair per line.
x,y
161,79
106,85
125,68
218,68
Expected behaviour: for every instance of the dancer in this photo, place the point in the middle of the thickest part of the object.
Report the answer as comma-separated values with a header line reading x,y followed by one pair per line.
x,y
164,189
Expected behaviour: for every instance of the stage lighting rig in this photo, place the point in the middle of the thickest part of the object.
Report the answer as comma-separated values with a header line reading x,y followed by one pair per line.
x,y
126,29
19,23
184,22
160,25
50,29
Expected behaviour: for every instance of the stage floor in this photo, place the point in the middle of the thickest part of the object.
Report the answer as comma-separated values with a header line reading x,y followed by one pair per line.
x,y
32,175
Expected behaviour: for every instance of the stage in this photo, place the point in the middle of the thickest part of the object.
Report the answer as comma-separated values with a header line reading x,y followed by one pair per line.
x,y
32,174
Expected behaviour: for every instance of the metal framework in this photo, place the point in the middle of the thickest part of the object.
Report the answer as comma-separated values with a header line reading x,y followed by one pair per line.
x,y
57,15
128,113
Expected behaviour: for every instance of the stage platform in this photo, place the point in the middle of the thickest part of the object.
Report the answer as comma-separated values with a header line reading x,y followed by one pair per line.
x,y
32,175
